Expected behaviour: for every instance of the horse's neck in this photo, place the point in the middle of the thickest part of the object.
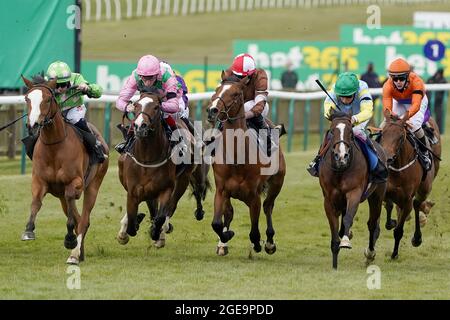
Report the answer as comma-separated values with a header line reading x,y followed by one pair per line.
x,y
54,132
153,147
405,153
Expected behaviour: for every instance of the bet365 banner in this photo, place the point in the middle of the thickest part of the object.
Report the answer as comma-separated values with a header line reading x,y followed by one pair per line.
x,y
324,60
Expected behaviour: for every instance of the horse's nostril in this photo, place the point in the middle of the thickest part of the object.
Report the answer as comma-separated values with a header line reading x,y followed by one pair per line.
x,y
346,156
143,125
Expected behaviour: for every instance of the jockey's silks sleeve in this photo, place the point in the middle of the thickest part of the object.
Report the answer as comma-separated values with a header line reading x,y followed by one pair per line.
x,y
365,103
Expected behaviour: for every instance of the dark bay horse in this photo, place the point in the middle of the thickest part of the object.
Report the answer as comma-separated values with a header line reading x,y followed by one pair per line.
x,y
238,173
344,178
406,188
148,174
61,167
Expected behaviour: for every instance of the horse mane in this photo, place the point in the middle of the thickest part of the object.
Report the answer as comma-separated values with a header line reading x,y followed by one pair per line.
x,y
151,90
335,114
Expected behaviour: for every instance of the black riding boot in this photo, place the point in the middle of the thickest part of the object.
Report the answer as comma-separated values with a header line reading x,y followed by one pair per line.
x,y
424,153
90,141
261,124
182,146
380,172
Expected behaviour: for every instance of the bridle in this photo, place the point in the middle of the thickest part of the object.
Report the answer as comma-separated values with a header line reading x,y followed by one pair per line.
x,y
228,108
350,151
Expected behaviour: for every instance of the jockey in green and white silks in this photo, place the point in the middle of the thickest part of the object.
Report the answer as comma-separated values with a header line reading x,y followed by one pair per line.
x,y
72,104
353,97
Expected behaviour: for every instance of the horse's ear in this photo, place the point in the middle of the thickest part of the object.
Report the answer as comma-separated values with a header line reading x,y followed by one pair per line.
x,y
387,114
222,76
245,81
27,82
52,84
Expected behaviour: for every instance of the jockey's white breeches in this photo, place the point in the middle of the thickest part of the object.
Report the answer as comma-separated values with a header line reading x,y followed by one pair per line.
x,y
416,120
76,114
250,104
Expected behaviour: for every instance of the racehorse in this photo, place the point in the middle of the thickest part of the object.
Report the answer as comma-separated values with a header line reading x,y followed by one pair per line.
x,y
243,179
148,174
407,186
61,167
344,179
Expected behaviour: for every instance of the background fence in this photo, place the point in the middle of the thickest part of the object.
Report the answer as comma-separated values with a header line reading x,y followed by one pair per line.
x,y
126,9
300,112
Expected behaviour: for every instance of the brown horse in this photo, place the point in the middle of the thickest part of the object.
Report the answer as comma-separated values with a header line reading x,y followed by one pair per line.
x,y
406,186
344,179
244,179
61,167
148,173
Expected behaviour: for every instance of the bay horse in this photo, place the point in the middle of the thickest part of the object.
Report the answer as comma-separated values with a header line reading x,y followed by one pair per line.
x,y
244,179
148,174
344,179
61,167
407,187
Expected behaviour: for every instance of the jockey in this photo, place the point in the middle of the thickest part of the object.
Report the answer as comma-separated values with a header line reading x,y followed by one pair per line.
x,y
151,72
403,92
72,104
352,95
255,96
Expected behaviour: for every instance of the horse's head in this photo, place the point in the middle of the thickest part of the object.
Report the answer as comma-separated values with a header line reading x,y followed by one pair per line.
x,y
227,103
41,103
341,140
148,111
393,135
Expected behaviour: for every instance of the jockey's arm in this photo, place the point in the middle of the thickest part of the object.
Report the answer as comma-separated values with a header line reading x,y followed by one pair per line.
x,y
365,105
387,96
366,111
173,93
328,105
126,93
261,94
95,91
418,88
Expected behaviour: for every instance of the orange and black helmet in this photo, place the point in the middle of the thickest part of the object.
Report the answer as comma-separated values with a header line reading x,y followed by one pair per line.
x,y
399,67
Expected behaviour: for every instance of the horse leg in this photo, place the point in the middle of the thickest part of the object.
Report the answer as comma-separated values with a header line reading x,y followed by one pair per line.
x,y
373,224
71,194
199,186
161,222
38,190
390,223
333,220
398,231
352,207
217,224
228,212
130,222
416,240
152,208
272,193
255,209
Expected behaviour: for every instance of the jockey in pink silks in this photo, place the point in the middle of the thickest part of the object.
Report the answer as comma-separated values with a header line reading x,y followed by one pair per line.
x,y
151,72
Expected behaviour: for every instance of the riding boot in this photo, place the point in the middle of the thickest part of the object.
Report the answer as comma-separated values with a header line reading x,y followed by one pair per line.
x,y
260,124
91,142
279,127
380,173
424,153
313,167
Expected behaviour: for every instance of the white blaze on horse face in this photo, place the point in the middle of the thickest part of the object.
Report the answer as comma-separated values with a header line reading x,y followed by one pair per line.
x,y
35,97
143,102
224,89
341,127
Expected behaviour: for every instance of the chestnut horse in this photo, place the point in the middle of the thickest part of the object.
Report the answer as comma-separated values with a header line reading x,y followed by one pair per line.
x,y
406,186
148,174
244,179
344,179
61,167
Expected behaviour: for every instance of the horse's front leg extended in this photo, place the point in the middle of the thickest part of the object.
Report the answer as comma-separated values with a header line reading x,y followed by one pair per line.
x,y
38,191
217,224
352,206
72,193
160,224
255,210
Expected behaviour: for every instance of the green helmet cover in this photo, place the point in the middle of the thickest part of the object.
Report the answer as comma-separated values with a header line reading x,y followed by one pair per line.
x,y
347,84
60,71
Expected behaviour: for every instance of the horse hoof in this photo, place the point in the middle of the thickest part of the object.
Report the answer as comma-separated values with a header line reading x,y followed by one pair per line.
x,y
257,248
170,228
391,224
199,214
416,242
123,239
370,255
422,219
394,256
345,243
28,235
70,242
222,251
73,260
160,243
270,248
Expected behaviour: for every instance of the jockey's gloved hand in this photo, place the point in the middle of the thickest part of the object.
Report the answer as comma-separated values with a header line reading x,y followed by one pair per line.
x,y
83,87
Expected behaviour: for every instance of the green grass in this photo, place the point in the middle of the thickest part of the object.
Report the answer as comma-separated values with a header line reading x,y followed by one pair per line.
x,y
188,268
189,39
